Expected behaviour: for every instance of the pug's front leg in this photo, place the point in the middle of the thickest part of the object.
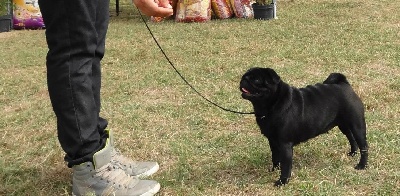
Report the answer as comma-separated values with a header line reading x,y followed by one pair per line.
x,y
286,153
276,158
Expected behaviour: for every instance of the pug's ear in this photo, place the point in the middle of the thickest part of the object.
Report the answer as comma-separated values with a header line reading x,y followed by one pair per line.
x,y
272,76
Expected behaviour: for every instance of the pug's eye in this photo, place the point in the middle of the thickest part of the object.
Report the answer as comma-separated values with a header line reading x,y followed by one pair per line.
x,y
258,81
255,80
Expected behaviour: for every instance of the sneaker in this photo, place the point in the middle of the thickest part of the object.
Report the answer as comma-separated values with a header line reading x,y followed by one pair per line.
x,y
103,178
133,168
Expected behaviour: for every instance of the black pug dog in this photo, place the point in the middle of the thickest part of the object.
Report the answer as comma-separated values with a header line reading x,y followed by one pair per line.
x,y
288,116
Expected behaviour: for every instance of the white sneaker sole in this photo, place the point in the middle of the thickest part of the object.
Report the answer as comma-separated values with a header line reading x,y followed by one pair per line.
x,y
149,172
152,191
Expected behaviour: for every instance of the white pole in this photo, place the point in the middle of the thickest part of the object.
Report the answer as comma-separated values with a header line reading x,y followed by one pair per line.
x,y
274,2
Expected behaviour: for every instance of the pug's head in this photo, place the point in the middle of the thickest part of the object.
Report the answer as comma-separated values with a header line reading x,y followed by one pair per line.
x,y
259,84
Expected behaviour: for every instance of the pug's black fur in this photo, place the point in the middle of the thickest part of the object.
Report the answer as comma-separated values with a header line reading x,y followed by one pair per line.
x,y
288,116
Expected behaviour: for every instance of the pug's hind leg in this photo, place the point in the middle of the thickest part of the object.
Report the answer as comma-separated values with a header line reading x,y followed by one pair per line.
x,y
353,144
359,132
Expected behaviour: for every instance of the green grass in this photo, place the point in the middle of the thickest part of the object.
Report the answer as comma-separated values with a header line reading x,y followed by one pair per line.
x,y
201,149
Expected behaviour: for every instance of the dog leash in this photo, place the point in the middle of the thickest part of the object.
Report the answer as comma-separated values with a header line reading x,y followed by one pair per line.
x,y
182,77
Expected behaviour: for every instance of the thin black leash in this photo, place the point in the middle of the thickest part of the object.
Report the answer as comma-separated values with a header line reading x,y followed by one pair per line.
x,y
181,76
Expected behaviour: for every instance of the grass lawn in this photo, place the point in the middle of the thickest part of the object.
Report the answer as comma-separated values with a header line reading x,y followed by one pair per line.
x,y
201,149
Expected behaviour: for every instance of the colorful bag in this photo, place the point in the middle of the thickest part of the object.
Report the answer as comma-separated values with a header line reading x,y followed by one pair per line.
x,y
193,11
222,8
242,8
27,15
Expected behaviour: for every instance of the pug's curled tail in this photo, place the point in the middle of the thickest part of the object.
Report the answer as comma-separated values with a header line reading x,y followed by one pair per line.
x,y
336,78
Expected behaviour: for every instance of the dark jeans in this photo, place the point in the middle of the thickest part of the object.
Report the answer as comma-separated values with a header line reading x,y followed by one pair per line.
x,y
75,33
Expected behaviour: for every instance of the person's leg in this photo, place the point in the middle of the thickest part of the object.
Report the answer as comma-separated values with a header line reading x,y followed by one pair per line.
x,y
72,40
101,25
75,33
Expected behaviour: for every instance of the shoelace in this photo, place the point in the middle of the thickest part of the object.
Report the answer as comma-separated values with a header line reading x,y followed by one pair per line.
x,y
110,173
120,160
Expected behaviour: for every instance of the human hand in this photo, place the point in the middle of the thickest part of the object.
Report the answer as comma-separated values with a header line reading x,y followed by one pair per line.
x,y
158,8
